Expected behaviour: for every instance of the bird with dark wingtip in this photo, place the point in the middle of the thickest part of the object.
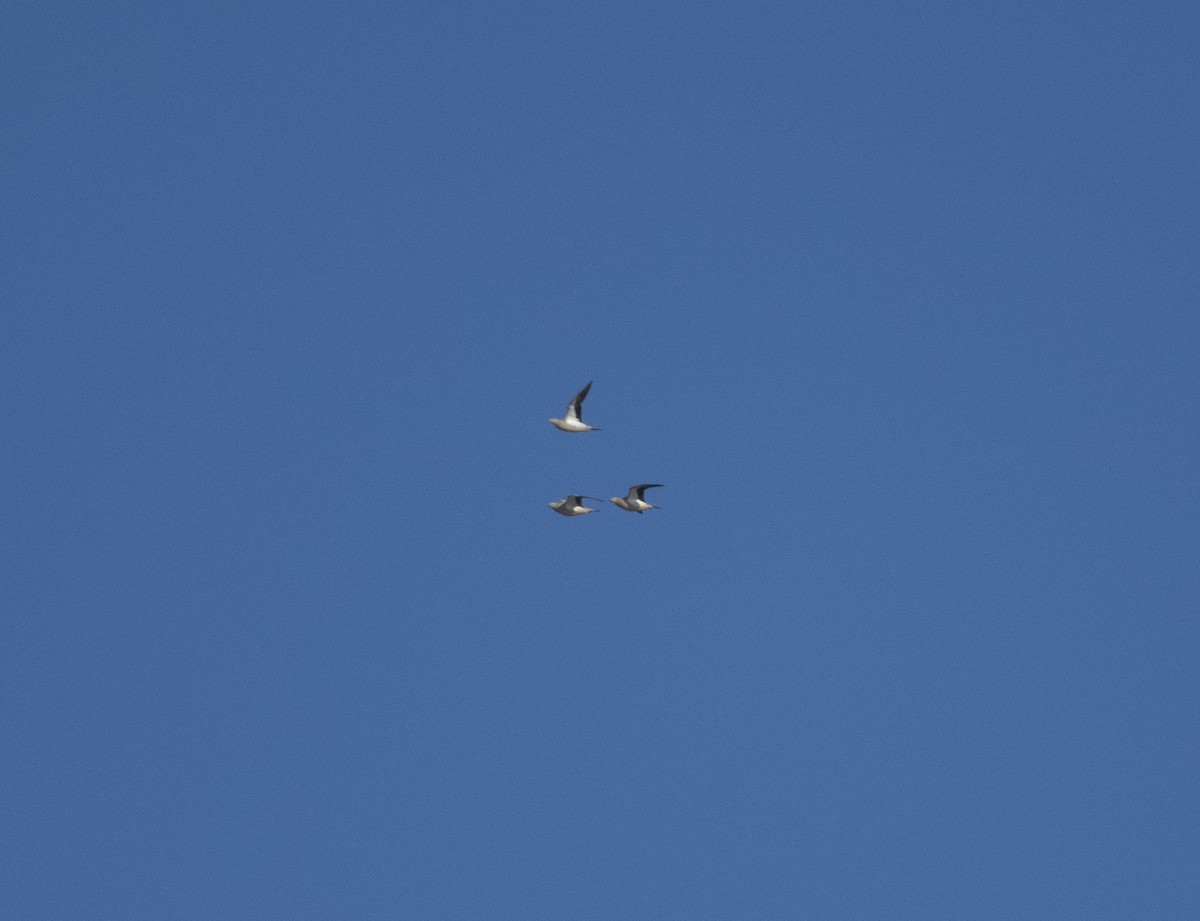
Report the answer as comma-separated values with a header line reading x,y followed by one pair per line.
x,y
574,421
635,499
572,506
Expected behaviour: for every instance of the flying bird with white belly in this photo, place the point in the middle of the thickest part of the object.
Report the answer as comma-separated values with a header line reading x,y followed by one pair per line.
x,y
574,421
635,499
572,506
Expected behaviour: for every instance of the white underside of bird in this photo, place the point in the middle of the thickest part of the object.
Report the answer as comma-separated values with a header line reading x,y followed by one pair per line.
x,y
635,499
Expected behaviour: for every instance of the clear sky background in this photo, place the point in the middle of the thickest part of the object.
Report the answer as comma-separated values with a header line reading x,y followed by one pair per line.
x,y
900,301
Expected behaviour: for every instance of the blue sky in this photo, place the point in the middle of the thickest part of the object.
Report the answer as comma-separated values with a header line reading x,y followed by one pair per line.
x,y
898,300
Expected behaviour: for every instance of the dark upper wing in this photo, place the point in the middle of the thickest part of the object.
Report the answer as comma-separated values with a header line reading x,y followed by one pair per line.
x,y
640,489
577,403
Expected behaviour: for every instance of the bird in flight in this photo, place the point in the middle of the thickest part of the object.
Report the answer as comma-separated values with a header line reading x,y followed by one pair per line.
x,y
574,421
635,499
572,505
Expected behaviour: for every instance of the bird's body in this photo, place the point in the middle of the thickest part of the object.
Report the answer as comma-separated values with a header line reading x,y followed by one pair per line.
x,y
635,499
572,506
574,419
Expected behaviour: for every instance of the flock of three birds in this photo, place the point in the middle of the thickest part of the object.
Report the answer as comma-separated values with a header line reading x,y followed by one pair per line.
x,y
634,501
